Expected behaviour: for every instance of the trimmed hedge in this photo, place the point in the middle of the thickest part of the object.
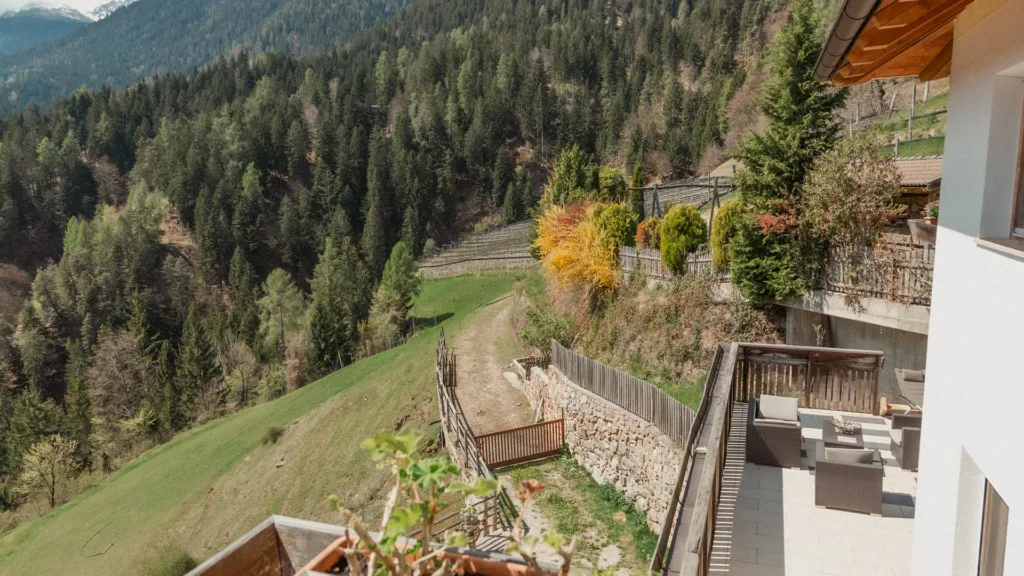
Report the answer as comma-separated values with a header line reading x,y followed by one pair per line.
x,y
726,224
682,232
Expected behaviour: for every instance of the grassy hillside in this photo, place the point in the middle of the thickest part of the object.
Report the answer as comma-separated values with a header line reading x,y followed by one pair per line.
x,y
212,484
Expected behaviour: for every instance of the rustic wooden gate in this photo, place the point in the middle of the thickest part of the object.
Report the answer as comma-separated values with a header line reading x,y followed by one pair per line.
x,y
522,444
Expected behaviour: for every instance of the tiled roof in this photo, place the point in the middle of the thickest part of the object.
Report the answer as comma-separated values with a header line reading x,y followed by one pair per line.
x,y
919,170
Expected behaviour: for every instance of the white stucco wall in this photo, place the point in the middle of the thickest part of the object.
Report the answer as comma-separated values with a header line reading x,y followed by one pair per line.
x,y
974,422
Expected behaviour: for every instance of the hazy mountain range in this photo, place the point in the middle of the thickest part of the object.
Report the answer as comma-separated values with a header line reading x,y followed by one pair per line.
x,y
39,23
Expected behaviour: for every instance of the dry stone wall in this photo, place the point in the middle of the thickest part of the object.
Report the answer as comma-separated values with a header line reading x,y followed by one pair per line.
x,y
614,445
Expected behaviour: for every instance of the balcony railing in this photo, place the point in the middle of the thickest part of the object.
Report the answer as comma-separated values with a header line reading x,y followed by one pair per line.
x,y
829,378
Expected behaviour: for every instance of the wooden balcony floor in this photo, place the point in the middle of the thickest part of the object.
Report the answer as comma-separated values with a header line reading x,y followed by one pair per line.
x,y
768,525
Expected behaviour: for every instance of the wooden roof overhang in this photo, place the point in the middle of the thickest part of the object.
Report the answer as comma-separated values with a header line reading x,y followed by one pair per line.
x,y
889,38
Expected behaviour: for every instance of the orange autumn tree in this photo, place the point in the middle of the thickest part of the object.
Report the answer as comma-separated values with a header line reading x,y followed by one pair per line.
x,y
573,250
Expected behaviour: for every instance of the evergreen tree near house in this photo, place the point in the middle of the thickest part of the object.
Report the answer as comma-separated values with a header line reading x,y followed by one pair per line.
x,y
769,253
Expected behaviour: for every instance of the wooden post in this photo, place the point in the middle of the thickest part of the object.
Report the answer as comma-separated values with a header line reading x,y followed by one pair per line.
x,y
892,102
910,117
927,86
896,148
714,202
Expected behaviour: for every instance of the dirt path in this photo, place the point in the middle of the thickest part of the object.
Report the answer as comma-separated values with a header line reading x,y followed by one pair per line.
x,y
484,350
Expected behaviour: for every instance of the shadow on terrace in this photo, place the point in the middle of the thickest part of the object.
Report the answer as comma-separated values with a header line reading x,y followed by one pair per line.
x,y
774,486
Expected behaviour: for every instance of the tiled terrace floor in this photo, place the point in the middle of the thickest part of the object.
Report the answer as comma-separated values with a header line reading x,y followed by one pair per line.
x,y
768,524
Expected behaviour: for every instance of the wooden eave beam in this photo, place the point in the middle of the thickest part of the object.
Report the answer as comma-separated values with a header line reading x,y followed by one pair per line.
x,y
898,41
940,66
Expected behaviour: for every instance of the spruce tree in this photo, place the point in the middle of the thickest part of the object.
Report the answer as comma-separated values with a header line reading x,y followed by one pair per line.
x,y
197,368
247,224
298,144
636,194
400,275
77,404
242,289
374,241
172,413
769,255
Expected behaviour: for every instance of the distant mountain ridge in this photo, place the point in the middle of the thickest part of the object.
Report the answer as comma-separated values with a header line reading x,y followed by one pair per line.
x,y
102,11
35,24
158,36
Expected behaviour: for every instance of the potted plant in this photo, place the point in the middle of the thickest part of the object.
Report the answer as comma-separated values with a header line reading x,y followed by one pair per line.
x,y
419,484
931,212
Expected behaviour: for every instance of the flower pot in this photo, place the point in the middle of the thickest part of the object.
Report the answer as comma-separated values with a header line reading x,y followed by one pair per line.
x,y
922,232
473,561
931,220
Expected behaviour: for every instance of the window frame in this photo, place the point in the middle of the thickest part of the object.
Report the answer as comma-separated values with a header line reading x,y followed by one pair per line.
x,y
1017,216
986,552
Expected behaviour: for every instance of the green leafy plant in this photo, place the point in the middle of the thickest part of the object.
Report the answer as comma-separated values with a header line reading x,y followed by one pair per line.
x,y
723,230
682,232
931,210
617,222
419,484
544,324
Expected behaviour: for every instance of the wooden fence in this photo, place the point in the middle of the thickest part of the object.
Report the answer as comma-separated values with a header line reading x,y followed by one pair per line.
x,y
823,378
629,392
828,378
648,261
522,444
895,273
454,420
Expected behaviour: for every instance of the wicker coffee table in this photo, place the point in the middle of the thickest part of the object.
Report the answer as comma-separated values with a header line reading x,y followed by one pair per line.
x,y
833,439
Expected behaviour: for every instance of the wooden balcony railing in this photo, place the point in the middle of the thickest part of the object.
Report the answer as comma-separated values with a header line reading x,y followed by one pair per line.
x,y
827,378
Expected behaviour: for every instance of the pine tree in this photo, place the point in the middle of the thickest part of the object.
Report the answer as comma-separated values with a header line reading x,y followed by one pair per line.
x,y
197,369
247,224
636,194
282,312
77,404
768,265
400,275
374,241
298,144
242,289
511,209
412,229
172,413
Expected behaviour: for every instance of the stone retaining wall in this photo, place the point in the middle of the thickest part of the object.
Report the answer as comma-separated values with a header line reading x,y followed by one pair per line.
x,y
614,445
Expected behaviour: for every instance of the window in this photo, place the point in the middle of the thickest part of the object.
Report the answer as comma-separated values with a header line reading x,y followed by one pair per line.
x,y
1018,200
995,516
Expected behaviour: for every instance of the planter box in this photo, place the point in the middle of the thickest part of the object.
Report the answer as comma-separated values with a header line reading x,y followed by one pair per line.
x,y
922,232
278,546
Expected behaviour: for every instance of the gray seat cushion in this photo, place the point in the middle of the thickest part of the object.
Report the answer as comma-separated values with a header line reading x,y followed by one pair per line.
x,y
913,375
849,456
897,436
779,408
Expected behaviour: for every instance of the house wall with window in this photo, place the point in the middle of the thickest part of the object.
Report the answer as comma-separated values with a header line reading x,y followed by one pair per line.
x,y
974,400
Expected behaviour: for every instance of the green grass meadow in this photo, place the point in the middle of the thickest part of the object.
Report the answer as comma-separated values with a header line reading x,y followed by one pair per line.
x,y
212,484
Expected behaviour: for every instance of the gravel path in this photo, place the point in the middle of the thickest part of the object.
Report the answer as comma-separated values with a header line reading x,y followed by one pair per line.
x,y
484,349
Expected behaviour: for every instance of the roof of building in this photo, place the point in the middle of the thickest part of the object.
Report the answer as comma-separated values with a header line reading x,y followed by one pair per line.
x,y
888,39
919,171
727,169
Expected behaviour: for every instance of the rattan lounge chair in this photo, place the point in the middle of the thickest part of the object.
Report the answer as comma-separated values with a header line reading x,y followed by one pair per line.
x,y
775,440
848,479
905,439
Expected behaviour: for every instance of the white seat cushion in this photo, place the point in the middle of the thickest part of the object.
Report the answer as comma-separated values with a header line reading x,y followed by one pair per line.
x,y
779,408
849,456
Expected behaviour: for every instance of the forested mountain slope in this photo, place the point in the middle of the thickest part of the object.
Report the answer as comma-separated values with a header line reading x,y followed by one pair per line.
x,y
23,28
214,239
156,36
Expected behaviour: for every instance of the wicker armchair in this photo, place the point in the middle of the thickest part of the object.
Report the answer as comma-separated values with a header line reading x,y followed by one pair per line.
x,y
772,442
905,439
848,479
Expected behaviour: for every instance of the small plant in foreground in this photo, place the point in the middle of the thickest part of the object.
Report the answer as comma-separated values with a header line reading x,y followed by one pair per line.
x,y
419,484
271,434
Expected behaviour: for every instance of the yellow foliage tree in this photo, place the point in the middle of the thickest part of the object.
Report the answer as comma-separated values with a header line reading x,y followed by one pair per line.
x,y
573,249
